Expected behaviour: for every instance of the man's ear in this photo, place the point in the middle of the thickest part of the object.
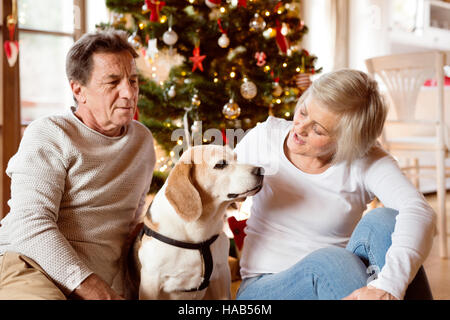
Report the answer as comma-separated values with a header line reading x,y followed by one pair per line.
x,y
78,91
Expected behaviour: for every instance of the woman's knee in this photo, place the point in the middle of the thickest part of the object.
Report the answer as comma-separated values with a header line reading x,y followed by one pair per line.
x,y
335,262
337,271
332,259
382,219
372,236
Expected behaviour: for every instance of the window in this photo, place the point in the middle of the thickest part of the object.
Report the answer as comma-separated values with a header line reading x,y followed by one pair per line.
x,y
96,12
47,30
407,15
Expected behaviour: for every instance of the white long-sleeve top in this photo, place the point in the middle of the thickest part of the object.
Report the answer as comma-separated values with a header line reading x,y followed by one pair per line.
x,y
297,213
75,196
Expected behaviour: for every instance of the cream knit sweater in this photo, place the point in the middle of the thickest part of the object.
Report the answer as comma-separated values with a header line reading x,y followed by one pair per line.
x,y
75,196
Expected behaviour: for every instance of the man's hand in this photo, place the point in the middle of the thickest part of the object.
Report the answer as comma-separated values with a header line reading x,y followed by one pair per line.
x,y
370,293
94,288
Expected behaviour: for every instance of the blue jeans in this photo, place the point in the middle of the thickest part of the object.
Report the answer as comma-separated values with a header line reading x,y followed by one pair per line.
x,y
333,273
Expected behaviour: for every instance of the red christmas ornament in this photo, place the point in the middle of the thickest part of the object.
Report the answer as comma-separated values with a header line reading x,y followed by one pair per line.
x,y
154,6
213,3
197,59
136,115
237,227
242,3
281,40
11,51
260,58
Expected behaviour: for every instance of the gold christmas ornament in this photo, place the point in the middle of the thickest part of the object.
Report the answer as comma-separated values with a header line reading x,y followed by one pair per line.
x,y
196,100
231,110
257,23
277,90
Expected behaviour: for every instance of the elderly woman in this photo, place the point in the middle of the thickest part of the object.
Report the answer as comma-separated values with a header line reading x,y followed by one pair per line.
x,y
307,237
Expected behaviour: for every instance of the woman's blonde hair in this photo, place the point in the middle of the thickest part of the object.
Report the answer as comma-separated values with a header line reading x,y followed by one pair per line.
x,y
355,97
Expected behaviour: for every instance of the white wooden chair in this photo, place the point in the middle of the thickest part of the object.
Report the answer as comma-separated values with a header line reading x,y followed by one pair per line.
x,y
403,75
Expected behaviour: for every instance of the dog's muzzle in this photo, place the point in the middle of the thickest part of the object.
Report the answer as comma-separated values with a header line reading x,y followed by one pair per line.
x,y
259,173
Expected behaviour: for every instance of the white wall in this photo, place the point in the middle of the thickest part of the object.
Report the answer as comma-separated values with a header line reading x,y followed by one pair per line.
x,y
317,41
368,31
369,26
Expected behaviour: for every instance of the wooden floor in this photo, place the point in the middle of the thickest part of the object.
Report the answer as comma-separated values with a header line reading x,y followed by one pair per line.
x,y
437,269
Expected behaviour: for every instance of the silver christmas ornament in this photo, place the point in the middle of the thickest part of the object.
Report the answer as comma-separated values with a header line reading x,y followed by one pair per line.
x,y
257,23
172,93
170,37
231,110
248,89
135,41
223,41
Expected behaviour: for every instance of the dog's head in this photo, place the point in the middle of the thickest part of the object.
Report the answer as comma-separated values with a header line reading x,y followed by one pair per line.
x,y
209,174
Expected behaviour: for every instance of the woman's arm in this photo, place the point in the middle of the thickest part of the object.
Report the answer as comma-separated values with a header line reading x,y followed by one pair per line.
x,y
414,229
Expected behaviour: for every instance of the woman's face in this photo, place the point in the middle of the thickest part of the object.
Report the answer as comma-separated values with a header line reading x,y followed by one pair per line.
x,y
313,131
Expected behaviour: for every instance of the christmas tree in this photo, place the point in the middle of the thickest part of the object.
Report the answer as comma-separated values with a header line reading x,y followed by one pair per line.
x,y
238,63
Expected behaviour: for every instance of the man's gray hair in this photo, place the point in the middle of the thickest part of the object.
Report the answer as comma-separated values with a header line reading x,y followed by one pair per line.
x,y
79,62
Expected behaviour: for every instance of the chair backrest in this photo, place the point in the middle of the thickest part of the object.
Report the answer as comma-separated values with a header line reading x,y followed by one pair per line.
x,y
404,75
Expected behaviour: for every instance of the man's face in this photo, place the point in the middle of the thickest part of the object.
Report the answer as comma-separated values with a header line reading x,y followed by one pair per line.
x,y
112,91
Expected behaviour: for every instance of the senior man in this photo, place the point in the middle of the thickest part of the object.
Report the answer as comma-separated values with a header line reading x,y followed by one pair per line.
x,y
78,182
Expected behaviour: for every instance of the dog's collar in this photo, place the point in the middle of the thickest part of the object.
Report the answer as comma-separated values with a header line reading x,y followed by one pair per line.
x,y
203,247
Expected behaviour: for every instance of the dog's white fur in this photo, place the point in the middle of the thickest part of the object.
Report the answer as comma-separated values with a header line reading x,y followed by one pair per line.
x,y
190,207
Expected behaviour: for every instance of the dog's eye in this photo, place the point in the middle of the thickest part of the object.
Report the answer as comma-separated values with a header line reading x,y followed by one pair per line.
x,y
220,165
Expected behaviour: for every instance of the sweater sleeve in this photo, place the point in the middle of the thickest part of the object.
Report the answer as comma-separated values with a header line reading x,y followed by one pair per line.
x,y
140,213
38,175
414,229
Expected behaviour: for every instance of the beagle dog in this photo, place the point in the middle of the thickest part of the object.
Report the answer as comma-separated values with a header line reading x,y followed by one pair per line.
x,y
183,251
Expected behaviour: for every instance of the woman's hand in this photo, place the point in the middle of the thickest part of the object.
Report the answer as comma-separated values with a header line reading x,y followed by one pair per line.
x,y
370,293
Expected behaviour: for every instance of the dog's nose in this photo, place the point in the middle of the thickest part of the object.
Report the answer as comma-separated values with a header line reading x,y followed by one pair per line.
x,y
258,171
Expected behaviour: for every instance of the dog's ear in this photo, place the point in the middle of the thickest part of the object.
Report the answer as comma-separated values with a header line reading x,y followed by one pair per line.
x,y
182,194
